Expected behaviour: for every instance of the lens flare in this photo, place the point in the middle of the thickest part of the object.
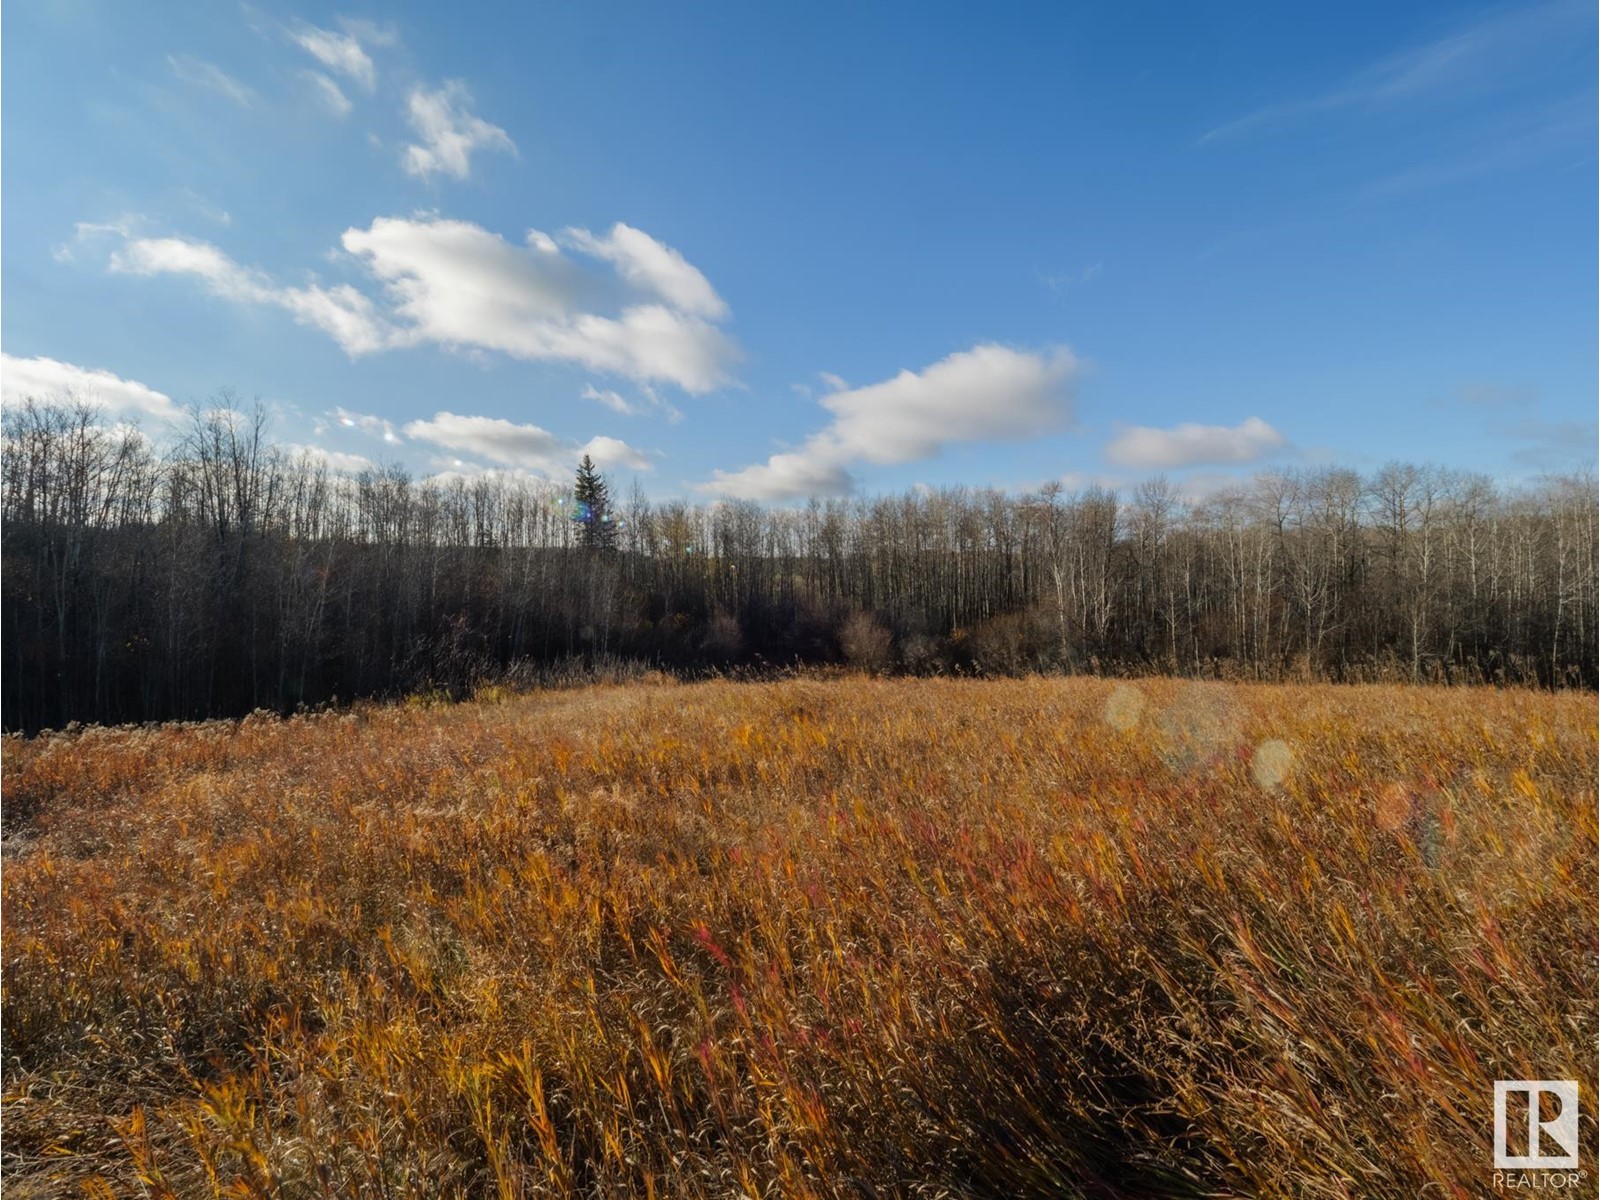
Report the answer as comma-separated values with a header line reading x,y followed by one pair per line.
x,y
1271,764
1123,707
1199,727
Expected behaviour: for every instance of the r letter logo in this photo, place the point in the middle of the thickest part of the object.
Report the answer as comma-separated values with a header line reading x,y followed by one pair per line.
x,y
1558,1134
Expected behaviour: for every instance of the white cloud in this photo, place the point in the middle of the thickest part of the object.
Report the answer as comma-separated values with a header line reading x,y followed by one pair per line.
x,y
460,285
457,285
988,393
614,452
377,427
784,477
1193,445
449,131
203,74
526,447
90,233
652,267
493,438
47,379
328,93
618,403
342,312
341,52
335,460
648,341
615,401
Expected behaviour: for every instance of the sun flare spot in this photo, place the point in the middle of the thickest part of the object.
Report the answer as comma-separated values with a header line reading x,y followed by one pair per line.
x,y
1271,764
1123,707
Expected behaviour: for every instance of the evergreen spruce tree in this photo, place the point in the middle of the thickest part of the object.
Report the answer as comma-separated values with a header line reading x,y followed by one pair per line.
x,y
597,528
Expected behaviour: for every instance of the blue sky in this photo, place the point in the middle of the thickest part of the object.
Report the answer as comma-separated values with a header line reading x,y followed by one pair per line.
x,y
741,251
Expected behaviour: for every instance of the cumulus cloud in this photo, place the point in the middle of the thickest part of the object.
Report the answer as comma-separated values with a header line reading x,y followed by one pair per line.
x,y
48,379
652,267
341,52
614,452
988,393
449,132
342,312
207,75
457,285
525,447
785,477
328,93
1190,445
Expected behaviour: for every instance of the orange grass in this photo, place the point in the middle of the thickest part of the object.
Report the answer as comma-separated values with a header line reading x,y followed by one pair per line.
x,y
853,938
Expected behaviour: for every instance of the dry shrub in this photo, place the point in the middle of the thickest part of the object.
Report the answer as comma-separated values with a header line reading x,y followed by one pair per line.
x,y
859,938
1014,643
867,643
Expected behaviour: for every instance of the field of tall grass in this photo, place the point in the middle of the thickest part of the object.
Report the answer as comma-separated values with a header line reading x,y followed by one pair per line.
x,y
848,938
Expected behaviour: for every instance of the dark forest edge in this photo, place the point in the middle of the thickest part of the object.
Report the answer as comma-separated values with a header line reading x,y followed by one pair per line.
x,y
219,574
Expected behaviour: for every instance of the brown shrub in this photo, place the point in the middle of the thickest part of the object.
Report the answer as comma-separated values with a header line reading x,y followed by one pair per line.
x,y
867,643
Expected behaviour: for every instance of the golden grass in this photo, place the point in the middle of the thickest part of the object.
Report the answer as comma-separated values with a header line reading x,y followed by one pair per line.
x,y
855,938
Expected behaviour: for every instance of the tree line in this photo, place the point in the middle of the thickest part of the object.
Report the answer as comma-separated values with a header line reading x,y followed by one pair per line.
x,y
220,574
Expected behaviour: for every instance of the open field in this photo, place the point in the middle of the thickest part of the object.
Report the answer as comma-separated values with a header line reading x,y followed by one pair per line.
x,y
852,938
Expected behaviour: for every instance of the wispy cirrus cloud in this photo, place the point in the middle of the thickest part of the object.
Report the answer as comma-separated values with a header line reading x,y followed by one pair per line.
x,y
615,401
1512,142
650,402
1546,445
449,133
341,50
198,72
327,93
1060,282
987,393
1510,415
1472,59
